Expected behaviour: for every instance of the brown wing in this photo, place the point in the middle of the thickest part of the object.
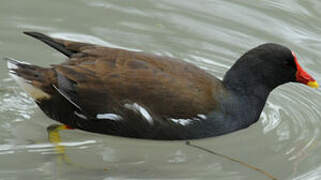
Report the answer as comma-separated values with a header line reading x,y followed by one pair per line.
x,y
104,79
164,86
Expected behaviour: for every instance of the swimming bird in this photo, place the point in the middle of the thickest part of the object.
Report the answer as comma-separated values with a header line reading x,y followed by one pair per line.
x,y
136,94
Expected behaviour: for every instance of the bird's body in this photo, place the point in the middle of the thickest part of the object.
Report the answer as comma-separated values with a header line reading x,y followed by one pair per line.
x,y
134,94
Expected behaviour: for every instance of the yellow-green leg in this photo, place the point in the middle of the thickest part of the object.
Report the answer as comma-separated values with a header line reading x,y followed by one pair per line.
x,y
54,138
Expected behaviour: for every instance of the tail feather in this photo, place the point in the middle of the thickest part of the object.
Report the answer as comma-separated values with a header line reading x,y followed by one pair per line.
x,y
13,63
28,77
59,46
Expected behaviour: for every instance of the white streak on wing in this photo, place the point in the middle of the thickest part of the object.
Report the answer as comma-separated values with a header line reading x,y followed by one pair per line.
x,y
110,116
80,115
136,107
202,116
183,122
66,97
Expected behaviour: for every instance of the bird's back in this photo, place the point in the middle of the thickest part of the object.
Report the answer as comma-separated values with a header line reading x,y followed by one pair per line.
x,y
98,84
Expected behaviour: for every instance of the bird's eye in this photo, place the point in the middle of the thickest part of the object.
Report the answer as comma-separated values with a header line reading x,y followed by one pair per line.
x,y
287,63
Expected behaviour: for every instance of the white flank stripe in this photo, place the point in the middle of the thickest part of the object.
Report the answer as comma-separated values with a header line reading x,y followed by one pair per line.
x,y
110,116
136,107
183,122
202,116
80,115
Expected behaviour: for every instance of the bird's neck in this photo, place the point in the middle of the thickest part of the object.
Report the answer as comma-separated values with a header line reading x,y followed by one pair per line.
x,y
248,97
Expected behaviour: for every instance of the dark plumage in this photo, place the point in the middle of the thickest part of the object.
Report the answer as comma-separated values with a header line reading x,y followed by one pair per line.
x,y
134,94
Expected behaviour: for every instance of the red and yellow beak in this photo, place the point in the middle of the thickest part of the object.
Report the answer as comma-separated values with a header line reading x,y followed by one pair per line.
x,y
303,77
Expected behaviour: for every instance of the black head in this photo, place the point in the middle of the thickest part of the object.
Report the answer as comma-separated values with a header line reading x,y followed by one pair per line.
x,y
268,65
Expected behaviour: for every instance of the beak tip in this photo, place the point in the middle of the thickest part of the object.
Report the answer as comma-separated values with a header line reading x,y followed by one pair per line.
x,y
313,84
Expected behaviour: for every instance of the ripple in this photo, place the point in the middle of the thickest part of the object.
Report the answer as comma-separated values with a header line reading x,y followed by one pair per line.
x,y
44,148
34,27
296,121
123,8
15,102
271,118
314,174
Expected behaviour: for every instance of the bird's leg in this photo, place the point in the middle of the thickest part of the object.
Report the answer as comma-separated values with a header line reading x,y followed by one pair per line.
x,y
54,138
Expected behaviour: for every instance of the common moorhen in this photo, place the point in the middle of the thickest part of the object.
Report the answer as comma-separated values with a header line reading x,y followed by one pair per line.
x,y
134,94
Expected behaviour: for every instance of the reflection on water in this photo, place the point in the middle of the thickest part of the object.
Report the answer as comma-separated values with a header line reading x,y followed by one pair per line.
x,y
210,34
